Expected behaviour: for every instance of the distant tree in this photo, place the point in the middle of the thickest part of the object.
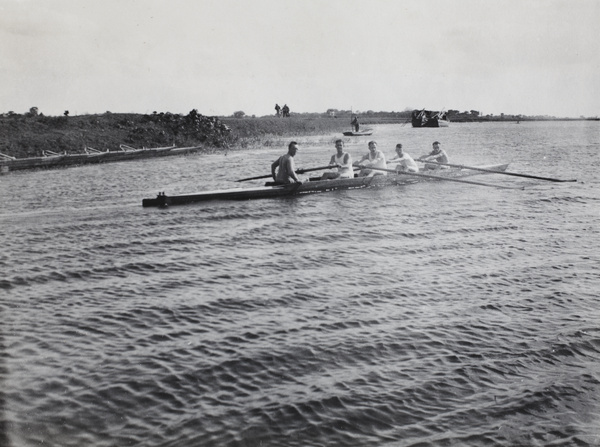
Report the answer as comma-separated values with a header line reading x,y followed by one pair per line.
x,y
474,113
66,113
239,114
33,112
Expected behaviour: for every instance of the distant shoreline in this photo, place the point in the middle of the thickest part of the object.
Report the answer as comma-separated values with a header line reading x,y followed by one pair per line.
x,y
35,135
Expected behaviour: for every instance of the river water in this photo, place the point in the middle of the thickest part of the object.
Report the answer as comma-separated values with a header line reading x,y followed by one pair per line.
x,y
431,314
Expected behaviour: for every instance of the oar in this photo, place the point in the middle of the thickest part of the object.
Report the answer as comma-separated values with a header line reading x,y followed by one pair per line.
x,y
435,177
298,171
500,172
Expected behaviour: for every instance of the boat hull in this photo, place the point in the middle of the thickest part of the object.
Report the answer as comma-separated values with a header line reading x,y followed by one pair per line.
x,y
64,160
310,187
427,118
433,122
358,134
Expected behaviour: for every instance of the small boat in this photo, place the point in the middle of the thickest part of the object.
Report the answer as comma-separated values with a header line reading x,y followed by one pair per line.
x,y
359,133
428,118
314,186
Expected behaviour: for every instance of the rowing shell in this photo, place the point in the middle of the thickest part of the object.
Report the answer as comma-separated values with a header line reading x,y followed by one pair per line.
x,y
310,187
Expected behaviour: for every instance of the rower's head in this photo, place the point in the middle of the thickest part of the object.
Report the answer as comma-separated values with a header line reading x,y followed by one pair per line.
x,y
293,148
372,146
436,146
399,150
339,145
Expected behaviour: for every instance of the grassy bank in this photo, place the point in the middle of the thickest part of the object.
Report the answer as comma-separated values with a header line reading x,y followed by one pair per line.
x,y
28,135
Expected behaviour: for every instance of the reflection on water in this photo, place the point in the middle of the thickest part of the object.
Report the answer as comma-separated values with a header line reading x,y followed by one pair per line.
x,y
429,314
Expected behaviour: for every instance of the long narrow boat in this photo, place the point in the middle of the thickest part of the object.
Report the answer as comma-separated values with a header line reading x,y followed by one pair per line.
x,y
313,186
53,160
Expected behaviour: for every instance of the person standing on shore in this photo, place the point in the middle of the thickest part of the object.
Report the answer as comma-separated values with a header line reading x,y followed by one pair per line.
x,y
355,124
405,161
343,161
373,159
283,170
437,155
277,110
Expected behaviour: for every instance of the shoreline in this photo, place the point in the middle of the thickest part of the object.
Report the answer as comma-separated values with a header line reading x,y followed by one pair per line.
x,y
53,142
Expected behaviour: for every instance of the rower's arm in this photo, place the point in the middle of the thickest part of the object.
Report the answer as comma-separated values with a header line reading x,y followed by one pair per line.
x,y
274,166
292,169
357,163
346,161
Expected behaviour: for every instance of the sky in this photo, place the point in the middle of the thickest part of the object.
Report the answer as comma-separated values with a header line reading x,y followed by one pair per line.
x,y
531,57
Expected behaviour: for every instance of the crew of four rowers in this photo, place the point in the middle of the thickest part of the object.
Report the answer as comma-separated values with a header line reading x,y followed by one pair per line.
x,y
283,169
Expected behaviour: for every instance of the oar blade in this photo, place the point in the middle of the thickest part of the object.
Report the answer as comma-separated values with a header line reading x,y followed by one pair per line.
x,y
448,179
492,171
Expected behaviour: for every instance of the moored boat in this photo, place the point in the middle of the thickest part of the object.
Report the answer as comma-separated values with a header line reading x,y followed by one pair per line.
x,y
428,118
315,186
359,133
54,160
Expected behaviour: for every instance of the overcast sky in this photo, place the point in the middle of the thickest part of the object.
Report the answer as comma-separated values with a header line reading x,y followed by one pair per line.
x,y
535,57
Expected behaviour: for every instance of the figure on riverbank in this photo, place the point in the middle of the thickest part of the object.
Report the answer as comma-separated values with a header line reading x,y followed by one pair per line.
x,y
437,155
277,110
343,161
286,111
355,123
283,170
373,159
405,161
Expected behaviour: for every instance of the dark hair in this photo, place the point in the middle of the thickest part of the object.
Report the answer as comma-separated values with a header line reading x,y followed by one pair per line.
x,y
398,145
435,142
339,140
293,143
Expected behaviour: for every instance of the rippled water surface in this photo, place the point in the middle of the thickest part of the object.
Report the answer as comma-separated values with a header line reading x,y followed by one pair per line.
x,y
432,314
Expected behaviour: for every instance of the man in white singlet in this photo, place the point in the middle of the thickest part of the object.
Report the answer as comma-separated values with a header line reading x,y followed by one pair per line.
x,y
405,161
373,159
287,169
343,161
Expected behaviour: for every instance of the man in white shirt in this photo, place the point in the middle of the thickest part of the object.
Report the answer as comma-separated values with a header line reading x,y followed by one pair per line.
x,y
373,159
405,161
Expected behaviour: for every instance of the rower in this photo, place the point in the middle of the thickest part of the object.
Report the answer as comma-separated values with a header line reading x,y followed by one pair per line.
x,y
374,158
287,170
437,154
342,161
405,161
